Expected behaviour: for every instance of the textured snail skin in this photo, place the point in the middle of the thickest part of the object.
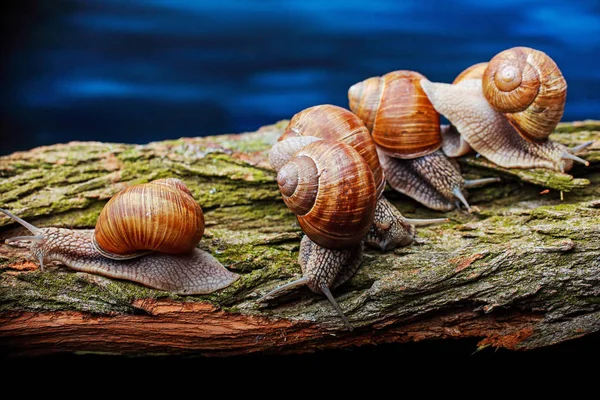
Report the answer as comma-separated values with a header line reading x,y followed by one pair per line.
x,y
196,272
326,266
406,127
190,271
432,180
453,143
390,229
488,131
332,191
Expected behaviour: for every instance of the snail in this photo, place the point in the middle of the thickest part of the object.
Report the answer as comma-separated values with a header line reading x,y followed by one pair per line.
x,y
506,109
406,130
146,233
389,229
332,191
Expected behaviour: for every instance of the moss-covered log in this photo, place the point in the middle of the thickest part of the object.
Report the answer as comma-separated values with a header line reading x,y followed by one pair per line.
x,y
522,271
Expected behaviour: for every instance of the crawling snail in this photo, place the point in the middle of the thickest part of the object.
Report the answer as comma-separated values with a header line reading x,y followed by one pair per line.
x,y
332,191
406,129
146,233
506,109
389,229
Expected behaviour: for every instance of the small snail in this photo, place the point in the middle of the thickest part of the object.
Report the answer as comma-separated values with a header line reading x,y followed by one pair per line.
x,y
505,110
406,129
146,233
332,191
389,229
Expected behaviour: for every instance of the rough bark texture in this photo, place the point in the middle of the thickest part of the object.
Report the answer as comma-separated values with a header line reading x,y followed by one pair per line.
x,y
521,272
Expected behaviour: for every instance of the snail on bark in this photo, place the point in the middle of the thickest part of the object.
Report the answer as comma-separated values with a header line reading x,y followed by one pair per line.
x,y
332,191
406,130
506,109
146,233
389,229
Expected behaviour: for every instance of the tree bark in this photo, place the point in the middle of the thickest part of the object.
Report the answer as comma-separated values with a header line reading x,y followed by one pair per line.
x,y
521,272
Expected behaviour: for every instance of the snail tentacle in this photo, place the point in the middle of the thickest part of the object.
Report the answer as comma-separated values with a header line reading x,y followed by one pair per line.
x,y
474,183
488,131
24,223
284,288
336,306
190,271
578,148
569,156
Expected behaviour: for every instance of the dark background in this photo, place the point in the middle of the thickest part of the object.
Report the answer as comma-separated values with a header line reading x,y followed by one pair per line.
x,y
141,70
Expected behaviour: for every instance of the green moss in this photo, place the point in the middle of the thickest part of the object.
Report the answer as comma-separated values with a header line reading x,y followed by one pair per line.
x,y
570,127
498,256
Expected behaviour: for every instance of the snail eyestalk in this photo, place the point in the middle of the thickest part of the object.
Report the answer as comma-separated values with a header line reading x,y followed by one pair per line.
x,y
337,307
298,282
458,194
569,156
31,228
24,238
577,149
473,183
425,221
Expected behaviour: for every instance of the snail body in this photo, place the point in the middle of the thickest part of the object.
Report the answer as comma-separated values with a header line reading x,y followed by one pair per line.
x,y
507,110
332,191
406,129
389,229
160,261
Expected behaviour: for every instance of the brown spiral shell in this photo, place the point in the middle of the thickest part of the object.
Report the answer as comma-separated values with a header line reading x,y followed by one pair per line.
x,y
331,189
398,113
335,123
475,71
528,87
158,216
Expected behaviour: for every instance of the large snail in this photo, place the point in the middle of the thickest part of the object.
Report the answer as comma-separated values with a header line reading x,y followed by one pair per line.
x,y
332,191
406,129
505,110
389,229
146,233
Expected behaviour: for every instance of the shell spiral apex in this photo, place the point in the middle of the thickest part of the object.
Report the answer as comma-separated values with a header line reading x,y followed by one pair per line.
x,y
332,191
527,86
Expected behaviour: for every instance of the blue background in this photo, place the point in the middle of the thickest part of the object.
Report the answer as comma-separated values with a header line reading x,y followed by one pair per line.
x,y
136,71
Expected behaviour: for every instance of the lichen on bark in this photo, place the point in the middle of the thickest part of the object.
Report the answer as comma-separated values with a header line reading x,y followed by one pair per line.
x,y
522,271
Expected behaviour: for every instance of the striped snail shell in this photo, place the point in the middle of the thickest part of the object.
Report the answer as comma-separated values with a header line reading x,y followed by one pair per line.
x,y
527,86
335,123
475,71
332,191
399,115
158,216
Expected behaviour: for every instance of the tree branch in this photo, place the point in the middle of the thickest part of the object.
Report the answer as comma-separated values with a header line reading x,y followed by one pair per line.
x,y
522,272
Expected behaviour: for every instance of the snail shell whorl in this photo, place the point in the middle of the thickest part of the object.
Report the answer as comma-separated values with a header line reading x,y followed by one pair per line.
x,y
299,184
475,71
159,216
527,85
341,198
398,113
335,123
